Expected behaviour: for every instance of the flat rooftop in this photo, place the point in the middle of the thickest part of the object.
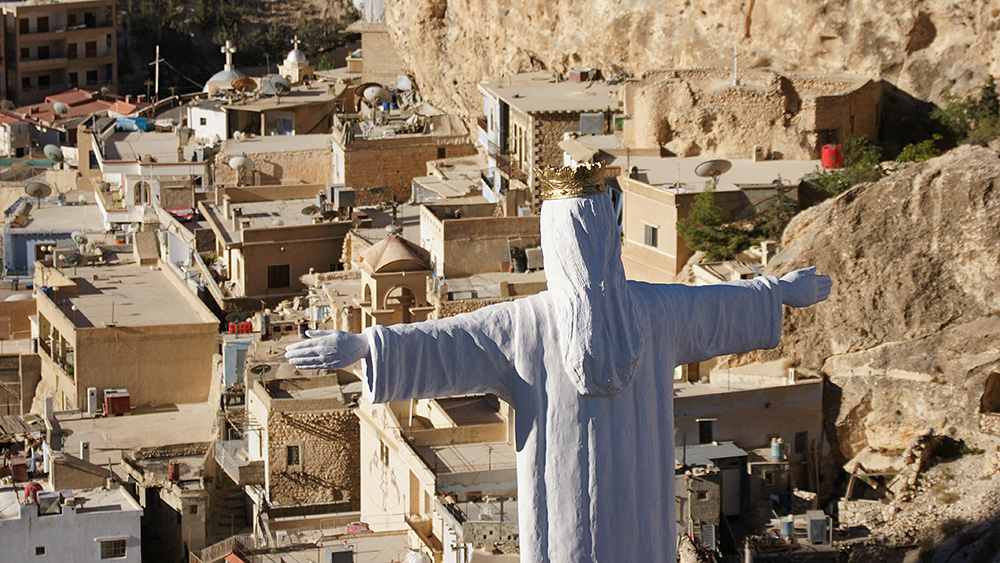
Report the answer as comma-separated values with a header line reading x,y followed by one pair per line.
x,y
130,295
299,96
470,458
329,388
275,143
87,500
677,173
377,547
146,427
487,286
279,213
86,218
131,146
539,92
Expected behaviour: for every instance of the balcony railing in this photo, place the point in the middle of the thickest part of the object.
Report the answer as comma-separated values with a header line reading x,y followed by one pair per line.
x,y
232,457
505,163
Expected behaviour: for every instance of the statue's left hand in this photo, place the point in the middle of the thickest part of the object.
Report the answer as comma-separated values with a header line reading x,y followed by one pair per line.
x,y
327,349
804,287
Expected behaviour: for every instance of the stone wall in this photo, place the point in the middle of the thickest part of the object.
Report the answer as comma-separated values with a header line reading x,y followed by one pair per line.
x,y
292,167
329,470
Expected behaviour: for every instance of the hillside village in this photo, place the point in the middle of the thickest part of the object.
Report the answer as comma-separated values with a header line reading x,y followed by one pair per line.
x,y
161,252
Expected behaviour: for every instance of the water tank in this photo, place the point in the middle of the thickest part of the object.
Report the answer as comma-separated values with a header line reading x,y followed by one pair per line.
x,y
832,156
777,449
788,526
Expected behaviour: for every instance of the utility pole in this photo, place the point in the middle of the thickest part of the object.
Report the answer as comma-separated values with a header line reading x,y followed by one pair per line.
x,y
156,63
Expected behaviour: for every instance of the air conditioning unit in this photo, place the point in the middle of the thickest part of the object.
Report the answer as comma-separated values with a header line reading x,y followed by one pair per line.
x,y
49,503
535,259
343,197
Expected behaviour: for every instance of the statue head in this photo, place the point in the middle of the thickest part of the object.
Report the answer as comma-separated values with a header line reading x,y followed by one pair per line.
x,y
597,331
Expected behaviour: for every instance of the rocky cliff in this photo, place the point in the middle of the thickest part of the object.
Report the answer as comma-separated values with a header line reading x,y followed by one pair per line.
x,y
922,46
909,335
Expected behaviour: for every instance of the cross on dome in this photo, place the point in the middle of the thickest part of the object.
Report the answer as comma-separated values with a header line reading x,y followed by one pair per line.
x,y
295,42
228,50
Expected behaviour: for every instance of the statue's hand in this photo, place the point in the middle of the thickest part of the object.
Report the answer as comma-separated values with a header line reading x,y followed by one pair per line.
x,y
327,349
804,287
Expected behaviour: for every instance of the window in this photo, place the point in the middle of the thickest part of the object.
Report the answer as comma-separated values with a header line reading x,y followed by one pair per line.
x,y
193,509
292,455
801,441
706,430
383,452
74,79
43,81
91,48
25,82
91,77
70,20
442,152
112,549
202,121
650,235
278,276
769,478
43,51
25,53
702,495
23,26
43,24
40,550
71,50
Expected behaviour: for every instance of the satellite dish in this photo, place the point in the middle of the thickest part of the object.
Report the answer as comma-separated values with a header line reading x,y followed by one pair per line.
x,y
713,168
310,210
61,108
239,135
106,91
240,162
374,94
330,214
38,190
379,190
244,84
260,369
74,259
277,222
53,153
275,85
7,105
79,238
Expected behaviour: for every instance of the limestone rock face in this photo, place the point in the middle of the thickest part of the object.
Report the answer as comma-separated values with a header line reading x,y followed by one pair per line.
x,y
909,336
921,46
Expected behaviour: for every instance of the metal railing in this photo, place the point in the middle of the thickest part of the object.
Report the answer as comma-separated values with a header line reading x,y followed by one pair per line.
x,y
505,163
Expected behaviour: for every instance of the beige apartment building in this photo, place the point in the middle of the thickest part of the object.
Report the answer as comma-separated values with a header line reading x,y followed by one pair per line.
x,y
122,325
57,45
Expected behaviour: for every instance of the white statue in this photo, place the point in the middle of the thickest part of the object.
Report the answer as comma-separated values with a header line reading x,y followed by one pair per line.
x,y
588,366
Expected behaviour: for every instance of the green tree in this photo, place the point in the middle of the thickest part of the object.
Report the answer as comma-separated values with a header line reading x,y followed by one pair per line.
x,y
325,63
862,163
919,152
707,228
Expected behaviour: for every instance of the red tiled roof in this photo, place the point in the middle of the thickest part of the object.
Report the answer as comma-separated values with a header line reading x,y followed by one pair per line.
x,y
70,97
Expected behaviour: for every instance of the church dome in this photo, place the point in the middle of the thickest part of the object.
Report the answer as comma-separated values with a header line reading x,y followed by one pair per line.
x,y
223,79
296,57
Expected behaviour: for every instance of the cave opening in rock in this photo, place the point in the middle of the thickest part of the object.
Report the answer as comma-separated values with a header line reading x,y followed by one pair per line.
x,y
990,401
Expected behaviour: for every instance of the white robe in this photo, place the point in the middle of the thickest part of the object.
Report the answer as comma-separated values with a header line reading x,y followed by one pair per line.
x,y
595,457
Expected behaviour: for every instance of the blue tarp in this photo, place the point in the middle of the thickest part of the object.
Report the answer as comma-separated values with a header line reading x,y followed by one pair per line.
x,y
131,124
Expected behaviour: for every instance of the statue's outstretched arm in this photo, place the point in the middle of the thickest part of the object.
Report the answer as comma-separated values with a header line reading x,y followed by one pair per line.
x,y
726,318
460,355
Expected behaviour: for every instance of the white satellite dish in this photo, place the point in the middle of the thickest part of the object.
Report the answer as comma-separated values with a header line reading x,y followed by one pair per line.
x,y
240,162
713,168
60,108
79,237
374,94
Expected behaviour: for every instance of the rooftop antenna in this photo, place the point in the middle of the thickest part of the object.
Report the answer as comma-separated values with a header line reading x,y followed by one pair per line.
x,y
380,191
713,169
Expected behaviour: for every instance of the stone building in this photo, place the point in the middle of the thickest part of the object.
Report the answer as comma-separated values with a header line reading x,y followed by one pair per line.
x,y
526,116
306,434
276,160
692,112
389,149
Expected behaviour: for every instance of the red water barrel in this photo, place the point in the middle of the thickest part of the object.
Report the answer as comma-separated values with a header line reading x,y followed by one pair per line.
x,y
173,471
832,156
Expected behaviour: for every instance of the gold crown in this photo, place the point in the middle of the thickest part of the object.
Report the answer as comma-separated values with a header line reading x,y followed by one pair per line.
x,y
567,181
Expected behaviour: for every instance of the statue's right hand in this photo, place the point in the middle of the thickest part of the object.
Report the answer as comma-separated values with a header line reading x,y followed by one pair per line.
x,y
327,349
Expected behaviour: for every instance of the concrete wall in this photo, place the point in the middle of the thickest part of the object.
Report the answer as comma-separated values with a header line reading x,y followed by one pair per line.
x,y
475,245
17,313
317,247
749,418
71,537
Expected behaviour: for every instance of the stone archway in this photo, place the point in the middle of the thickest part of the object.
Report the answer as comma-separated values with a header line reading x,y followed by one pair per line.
x,y
401,298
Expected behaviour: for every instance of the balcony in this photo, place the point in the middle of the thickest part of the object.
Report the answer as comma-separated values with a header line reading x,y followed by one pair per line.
x,y
233,458
507,164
